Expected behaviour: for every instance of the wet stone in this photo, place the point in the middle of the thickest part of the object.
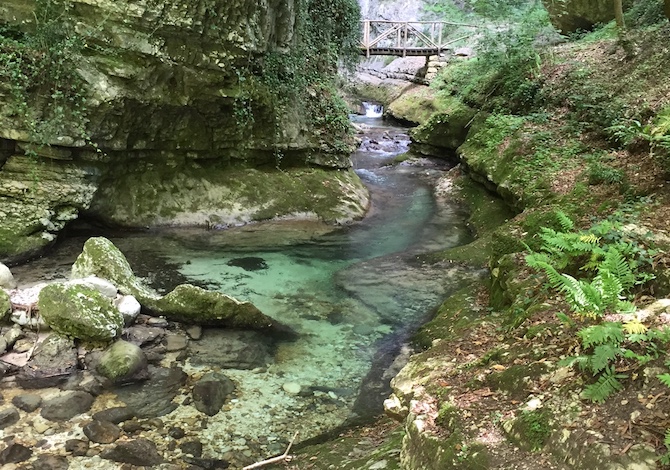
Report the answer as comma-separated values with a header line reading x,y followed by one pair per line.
x,y
8,416
210,393
28,402
76,447
206,464
175,342
135,452
51,462
193,448
249,263
142,334
176,433
67,406
115,415
54,360
154,397
14,453
102,432
194,332
230,349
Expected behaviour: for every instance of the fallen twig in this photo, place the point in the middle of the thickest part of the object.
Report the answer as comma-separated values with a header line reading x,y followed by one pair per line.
x,y
279,458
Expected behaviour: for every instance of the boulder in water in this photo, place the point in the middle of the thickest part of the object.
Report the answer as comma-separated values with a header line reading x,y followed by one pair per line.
x,y
79,311
123,362
210,393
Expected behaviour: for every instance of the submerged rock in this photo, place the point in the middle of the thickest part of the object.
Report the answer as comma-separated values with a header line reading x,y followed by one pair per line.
x,y
8,416
54,360
50,462
136,452
67,406
102,432
79,311
123,362
14,453
210,393
153,397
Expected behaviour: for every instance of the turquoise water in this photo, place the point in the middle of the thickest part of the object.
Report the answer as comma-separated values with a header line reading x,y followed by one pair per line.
x,y
352,293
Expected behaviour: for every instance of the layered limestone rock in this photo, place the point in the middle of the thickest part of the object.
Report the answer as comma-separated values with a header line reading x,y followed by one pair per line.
x,y
180,125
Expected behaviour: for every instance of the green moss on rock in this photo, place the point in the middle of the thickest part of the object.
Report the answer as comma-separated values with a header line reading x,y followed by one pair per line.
x,y
5,305
191,304
78,311
446,129
122,362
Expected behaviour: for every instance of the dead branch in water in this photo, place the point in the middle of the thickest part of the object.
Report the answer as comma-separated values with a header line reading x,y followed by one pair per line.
x,y
280,458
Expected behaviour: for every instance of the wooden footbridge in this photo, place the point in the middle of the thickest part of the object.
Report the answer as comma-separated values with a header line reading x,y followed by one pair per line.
x,y
411,38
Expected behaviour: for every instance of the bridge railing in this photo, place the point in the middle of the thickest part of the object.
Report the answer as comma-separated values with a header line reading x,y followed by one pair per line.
x,y
404,38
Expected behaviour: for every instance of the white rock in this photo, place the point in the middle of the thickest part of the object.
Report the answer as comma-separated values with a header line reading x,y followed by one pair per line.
x,y
533,404
6,278
32,320
292,388
103,286
129,308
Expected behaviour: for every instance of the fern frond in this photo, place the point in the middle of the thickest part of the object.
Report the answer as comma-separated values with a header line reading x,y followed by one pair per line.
x,y
564,221
606,332
608,383
634,327
615,264
589,238
571,361
602,356
665,380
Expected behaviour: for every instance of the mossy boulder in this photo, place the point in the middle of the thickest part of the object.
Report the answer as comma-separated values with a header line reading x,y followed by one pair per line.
x,y
78,311
191,304
5,305
530,430
186,303
102,259
417,104
445,130
123,362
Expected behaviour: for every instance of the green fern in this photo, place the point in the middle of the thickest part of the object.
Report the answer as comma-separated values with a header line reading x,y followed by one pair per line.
x,y
664,378
564,221
608,383
602,356
606,332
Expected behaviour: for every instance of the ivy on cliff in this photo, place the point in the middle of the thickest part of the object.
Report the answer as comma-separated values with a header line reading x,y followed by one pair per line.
x,y
38,75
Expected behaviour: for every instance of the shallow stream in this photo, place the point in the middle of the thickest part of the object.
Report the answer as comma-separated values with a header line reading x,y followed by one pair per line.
x,y
353,294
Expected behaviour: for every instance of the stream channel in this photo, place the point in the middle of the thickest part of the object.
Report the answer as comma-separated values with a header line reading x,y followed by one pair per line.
x,y
354,294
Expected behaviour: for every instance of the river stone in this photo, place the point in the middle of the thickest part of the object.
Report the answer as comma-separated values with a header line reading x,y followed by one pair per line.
x,y
51,462
79,311
6,278
191,304
206,464
101,258
27,402
8,416
129,307
102,432
77,447
195,331
292,388
115,415
211,391
123,362
54,360
135,452
14,453
5,306
230,349
175,342
193,448
153,397
13,335
67,406
142,334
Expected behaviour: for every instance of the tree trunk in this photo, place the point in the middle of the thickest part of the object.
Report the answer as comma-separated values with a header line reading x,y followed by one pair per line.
x,y
618,14
667,8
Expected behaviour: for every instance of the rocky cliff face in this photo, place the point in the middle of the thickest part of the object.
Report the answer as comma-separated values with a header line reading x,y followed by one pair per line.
x,y
180,101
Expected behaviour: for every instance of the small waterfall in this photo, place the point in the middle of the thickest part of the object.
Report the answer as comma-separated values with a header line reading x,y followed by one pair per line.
x,y
373,110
